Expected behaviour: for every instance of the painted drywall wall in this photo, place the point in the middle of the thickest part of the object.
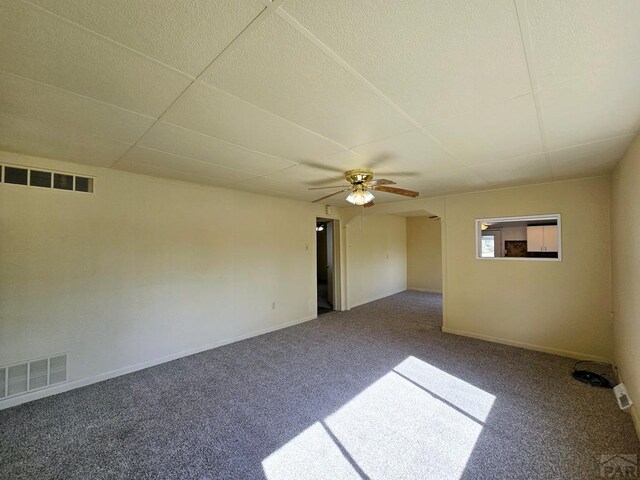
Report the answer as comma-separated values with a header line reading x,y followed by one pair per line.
x,y
376,258
424,254
145,269
556,306
625,234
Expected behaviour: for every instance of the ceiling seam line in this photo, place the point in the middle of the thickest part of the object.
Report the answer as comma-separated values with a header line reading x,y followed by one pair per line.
x,y
76,94
342,63
258,107
496,187
261,17
301,165
174,170
7,137
70,130
197,160
527,48
228,143
358,76
440,144
183,172
267,4
108,39
382,139
605,139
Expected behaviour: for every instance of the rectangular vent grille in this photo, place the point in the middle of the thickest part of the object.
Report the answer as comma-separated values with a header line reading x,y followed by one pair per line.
x,y
32,375
57,369
36,177
17,376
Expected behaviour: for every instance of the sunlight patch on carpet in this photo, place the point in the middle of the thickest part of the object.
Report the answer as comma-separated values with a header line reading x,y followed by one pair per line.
x,y
312,454
414,422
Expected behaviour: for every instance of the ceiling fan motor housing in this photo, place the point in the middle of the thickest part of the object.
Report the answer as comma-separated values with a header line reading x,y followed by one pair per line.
x,y
359,176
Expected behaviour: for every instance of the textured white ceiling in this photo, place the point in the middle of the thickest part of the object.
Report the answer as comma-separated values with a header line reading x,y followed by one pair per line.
x,y
276,97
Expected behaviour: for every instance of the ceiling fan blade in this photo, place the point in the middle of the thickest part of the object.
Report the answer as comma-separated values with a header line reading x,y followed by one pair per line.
x,y
321,166
399,174
330,195
379,160
370,204
322,181
381,181
398,191
334,186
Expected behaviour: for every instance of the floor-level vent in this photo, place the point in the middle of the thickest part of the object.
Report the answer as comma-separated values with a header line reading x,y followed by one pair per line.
x,y
32,375
57,369
17,379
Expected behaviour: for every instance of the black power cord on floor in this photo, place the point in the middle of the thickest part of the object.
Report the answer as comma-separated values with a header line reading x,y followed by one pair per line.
x,y
602,379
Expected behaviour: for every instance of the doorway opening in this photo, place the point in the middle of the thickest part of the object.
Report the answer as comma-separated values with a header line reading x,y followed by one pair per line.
x,y
424,253
326,233
425,263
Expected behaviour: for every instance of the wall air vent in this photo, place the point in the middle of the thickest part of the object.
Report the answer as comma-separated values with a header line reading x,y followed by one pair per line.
x,y
3,382
57,369
32,375
36,177
17,378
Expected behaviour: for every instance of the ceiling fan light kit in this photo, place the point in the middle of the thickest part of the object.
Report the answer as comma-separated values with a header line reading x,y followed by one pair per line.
x,y
361,183
360,196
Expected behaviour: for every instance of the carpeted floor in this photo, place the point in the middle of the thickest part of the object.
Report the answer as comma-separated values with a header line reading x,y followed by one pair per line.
x,y
377,392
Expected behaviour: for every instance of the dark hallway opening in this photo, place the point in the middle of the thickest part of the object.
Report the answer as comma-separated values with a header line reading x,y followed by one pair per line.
x,y
325,267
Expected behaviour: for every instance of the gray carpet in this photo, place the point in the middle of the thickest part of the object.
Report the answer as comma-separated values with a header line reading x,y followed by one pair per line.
x,y
377,392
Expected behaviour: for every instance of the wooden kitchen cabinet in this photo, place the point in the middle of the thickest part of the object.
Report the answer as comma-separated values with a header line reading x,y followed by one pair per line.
x,y
542,238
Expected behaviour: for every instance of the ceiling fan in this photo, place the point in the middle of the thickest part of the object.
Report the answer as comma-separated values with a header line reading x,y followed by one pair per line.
x,y
361,184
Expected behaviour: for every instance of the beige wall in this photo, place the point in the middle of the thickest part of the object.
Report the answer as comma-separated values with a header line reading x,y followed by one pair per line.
x,y
376,258
625,231
424,254
562,307
146,269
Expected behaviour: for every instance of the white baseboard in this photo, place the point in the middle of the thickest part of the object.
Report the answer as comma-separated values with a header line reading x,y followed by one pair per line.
x,y
633,411
636,420
83,382
428,290
528,346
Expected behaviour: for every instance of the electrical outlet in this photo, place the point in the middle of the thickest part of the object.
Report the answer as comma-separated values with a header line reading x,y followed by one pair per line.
x,y
273,306
620,391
